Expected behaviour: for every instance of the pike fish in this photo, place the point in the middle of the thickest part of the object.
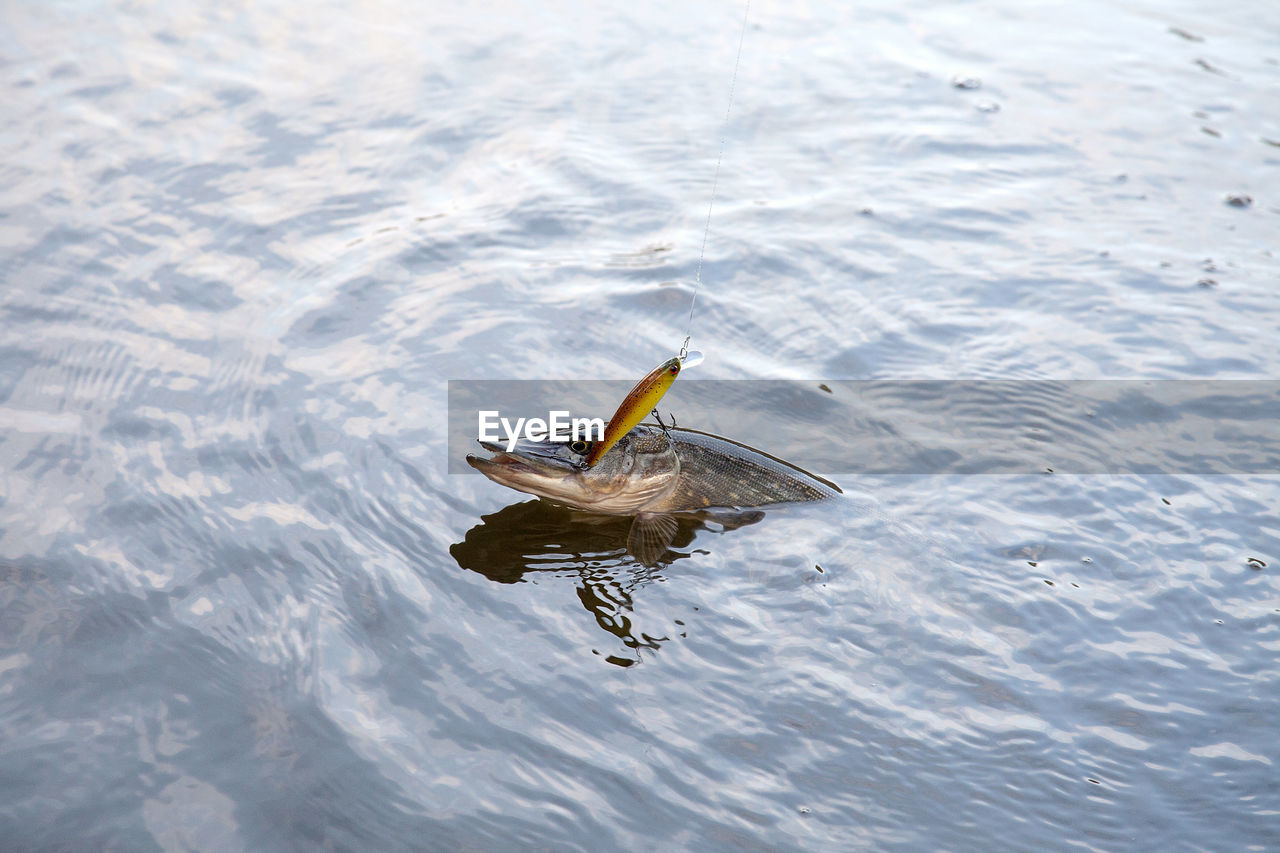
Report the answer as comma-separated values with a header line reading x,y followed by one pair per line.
x,y
652,473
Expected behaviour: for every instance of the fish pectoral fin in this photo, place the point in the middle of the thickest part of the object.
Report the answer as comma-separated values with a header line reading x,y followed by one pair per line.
x,y
651,534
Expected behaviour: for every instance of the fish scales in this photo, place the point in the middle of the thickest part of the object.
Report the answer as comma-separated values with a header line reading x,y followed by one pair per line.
x,y
718,472
652,474
653,470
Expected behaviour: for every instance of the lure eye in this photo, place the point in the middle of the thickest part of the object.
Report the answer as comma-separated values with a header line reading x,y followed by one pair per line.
x,y
579,447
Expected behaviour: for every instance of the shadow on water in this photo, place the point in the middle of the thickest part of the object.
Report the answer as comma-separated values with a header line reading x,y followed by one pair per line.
x,y
536,536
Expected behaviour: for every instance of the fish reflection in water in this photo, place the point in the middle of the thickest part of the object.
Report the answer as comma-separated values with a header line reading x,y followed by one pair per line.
x,y
537,536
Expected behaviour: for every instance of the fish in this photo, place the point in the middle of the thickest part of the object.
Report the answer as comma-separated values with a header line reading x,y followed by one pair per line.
x,y
652,473
640,400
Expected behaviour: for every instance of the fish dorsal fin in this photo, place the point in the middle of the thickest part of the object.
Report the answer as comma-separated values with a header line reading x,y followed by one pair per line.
x,y
650,535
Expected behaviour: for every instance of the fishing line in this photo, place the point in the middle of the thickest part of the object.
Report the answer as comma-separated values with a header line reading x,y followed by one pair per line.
x,y
715,180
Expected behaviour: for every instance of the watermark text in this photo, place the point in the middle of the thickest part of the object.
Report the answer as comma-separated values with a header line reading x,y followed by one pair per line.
x,y
558,426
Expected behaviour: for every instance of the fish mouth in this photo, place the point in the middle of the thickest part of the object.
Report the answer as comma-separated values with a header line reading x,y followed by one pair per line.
x,y
526,459
503,463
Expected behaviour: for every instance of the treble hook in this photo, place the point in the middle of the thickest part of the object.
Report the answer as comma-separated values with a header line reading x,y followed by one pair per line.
x,y
666,430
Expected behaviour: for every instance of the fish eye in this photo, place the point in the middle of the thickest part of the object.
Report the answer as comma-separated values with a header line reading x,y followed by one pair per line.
x,y
579,447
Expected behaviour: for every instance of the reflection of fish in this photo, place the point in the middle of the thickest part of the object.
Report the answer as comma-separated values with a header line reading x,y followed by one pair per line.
x,y
538,539
650,474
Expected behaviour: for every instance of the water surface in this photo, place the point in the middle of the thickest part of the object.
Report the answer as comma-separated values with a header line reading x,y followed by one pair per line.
x,y
246,607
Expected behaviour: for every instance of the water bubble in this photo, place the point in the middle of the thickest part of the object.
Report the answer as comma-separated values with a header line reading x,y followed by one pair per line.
x,y
690,359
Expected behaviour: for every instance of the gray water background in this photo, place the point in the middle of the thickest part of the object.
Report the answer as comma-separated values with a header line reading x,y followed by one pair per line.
x,y
244,605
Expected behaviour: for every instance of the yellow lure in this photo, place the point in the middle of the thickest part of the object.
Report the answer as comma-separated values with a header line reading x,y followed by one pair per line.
x,y
639,402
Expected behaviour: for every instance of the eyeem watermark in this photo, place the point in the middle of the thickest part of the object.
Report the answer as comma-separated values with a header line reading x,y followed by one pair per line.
x,y
925,427
557,427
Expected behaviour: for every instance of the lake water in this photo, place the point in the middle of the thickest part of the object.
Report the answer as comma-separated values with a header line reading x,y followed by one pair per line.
x,y
244,604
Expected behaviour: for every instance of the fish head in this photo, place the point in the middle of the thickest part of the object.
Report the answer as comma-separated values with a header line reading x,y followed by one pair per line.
x,y
641,468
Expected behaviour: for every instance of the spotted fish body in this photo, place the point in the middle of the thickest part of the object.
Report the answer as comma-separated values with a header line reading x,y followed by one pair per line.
x,y
651,473
718,472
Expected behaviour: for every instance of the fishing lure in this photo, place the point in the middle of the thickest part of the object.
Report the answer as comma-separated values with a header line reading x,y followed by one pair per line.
x,y
640,401
648,391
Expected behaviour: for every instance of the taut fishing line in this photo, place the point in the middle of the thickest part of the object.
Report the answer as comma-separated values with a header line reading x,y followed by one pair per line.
x,y
715,180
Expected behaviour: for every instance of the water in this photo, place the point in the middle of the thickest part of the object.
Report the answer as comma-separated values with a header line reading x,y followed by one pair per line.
x,y
245,607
